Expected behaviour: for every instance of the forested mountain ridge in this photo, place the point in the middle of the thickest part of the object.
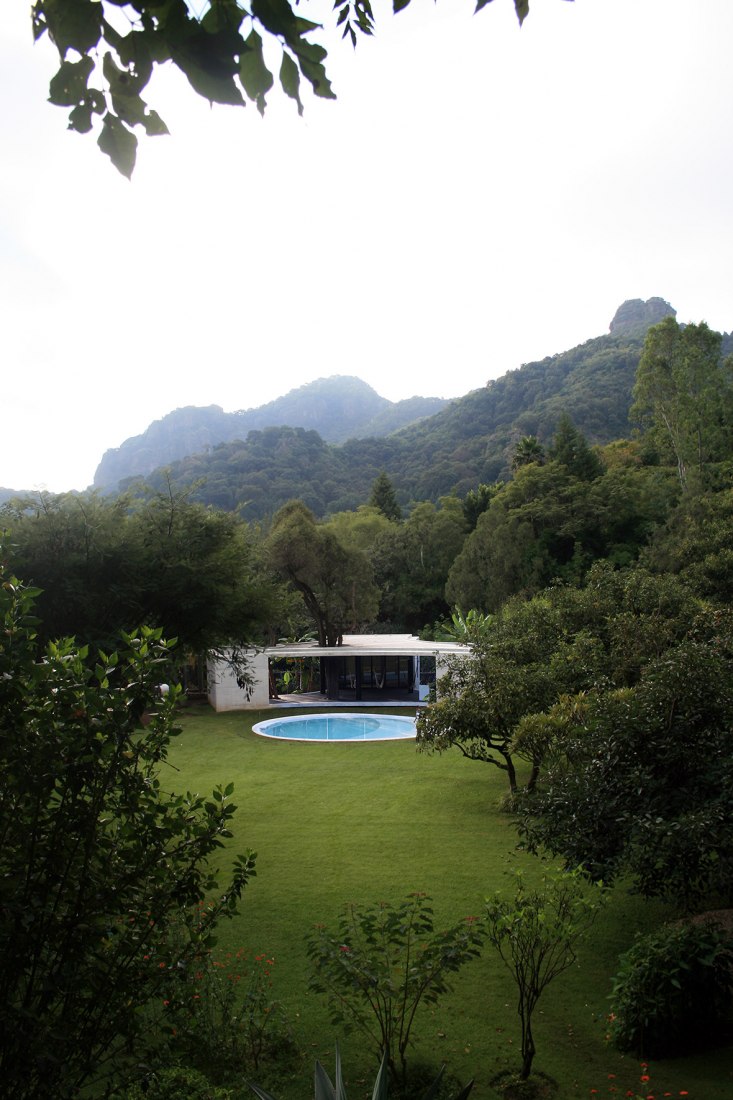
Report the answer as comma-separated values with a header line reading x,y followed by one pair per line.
x,y
338,408
469,442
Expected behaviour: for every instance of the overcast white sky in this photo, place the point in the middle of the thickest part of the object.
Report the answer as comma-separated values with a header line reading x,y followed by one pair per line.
x,y
477,197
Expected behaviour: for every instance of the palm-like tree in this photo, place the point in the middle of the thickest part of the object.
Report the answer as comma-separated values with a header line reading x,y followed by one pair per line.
x,y
529,449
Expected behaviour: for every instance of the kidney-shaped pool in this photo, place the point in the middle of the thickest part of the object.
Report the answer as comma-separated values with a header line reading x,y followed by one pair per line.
x,y
338,727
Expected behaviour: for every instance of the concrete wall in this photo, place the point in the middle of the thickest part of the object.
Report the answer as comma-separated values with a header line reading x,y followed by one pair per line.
x,y
224,692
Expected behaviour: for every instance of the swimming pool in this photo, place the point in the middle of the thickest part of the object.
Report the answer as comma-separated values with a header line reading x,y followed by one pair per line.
x,y
338,727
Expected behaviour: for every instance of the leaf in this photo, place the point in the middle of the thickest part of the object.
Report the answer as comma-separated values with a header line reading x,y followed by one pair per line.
x,y
154,125
209,59
73,24
256,78
260,1092
68,87
323,1088
522,10
119,143
310,59
400,5
290,80
80,119
277,17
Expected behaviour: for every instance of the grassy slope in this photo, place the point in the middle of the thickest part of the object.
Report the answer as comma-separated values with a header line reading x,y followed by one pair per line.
x,y
332,823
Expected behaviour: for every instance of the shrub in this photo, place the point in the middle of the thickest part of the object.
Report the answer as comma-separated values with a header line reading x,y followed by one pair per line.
x,y
172,1083
383,961
223,1018
673,992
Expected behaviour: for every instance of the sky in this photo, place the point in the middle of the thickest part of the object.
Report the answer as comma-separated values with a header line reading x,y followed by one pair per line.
x,y
477,197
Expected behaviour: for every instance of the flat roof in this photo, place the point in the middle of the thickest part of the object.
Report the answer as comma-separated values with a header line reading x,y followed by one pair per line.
x,y
370,645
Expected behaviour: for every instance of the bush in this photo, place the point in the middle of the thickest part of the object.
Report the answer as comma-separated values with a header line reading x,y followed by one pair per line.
x,y
173,1083
673,992
224,1020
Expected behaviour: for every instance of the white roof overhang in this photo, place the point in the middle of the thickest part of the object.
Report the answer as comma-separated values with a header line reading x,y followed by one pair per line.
x,y
371,645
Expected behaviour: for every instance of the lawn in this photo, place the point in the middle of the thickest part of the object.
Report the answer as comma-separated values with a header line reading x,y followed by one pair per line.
x,y
370,821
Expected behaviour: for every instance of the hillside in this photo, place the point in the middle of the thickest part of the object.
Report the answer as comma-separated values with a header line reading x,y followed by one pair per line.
x,y
469,441
338,408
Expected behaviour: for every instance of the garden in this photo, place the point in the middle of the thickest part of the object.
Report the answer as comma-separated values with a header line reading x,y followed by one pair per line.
x,y
370,823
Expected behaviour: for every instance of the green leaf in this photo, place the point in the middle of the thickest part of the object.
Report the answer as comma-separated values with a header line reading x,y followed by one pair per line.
x,y
72,24
290,80
80,119
256,78
217,89
119,143
69,85
154,125
310,59
277,17
323,1089
522,10
260,1092
380,1085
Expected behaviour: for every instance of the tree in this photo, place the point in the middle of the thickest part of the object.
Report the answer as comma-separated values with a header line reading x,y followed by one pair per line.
x,y
411,563
481,699
529,449
642,785
335,581
550,524
107,564
106,885
528,659
696,544
220,53
536,933
681,393
477,500
570,448
382,963
383,498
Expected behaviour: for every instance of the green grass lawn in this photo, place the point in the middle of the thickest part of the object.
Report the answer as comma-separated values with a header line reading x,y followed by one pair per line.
x,y
371,821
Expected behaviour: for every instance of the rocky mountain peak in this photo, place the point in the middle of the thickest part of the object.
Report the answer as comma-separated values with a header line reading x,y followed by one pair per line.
x,y
635,314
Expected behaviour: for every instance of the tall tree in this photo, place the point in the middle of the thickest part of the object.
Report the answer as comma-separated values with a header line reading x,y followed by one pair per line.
x,y
570,448
681,393
384,498
335,581
529,449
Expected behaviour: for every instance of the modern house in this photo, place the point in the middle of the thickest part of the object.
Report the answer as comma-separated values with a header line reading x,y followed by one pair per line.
x,y
374,668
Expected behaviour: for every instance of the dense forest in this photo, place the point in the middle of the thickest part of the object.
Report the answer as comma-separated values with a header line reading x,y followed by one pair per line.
x,y
338,408
469,442
442,514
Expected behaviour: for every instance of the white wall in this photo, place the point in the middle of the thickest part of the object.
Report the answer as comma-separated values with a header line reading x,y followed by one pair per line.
x,y
224,692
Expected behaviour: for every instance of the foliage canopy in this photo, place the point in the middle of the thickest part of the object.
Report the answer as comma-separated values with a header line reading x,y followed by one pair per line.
x,y
109,50
106,886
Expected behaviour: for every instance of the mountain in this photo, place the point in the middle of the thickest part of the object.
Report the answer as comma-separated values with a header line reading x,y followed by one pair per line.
x,y
338,408
469,441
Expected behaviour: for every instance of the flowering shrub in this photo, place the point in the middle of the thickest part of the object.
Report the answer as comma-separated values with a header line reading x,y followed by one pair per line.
x,y
222,1015
644,1091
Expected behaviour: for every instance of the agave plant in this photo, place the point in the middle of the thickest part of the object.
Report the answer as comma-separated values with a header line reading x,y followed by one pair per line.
x,y
325,1089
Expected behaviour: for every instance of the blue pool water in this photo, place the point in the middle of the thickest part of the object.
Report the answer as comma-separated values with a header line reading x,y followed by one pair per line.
x,y
338,727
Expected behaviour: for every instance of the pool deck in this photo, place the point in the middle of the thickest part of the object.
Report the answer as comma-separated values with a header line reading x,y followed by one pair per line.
x,y
370,699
